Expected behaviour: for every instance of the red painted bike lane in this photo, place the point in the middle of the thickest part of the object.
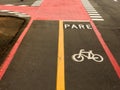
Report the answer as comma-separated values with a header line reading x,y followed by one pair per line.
x,y
73,12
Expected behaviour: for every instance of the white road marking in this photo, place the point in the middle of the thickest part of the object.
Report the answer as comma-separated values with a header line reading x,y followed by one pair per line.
x,y
92,12
80,57
12,12
95,16
98,19
22,14
4,10
37,3
9,4
115,0
23,5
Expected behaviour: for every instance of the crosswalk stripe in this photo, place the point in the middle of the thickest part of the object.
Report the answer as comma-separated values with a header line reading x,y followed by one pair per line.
x,y
92,14
95,16
92,10
98,19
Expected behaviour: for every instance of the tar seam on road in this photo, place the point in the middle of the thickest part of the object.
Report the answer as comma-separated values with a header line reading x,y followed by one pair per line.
x,y
10,56
60,84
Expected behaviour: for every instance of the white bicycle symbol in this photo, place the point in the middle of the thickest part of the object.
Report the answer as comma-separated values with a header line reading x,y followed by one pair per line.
x,y
89,55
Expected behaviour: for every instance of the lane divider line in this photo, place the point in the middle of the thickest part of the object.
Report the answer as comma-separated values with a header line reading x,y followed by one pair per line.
x,y
11,54
60,84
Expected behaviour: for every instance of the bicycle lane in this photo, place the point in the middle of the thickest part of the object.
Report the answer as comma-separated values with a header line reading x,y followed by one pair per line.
x,y
77,75
86,74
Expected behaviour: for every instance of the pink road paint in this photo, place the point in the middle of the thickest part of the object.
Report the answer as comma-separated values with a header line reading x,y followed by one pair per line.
x,y
10,56
62,10
56,10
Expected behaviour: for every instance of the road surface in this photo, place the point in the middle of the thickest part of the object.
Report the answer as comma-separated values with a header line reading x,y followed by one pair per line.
x,y
65,48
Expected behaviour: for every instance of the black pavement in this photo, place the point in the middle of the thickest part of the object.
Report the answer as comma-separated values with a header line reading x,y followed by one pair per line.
x,y
35,63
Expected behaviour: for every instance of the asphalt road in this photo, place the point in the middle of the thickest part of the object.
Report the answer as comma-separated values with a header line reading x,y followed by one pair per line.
x,y
61,54
110,27
35,60
17,2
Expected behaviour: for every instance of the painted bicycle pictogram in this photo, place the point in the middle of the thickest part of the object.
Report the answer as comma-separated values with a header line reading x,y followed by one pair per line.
x,y
89,55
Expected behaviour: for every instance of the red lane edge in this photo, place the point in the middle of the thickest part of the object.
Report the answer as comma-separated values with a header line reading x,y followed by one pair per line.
x,y
107,50
11,54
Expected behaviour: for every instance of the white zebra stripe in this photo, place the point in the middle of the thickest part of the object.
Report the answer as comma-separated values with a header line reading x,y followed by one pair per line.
x,y
94,15
92,12
98,19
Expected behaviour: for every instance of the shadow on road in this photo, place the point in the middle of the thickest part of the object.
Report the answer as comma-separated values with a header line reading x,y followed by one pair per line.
x,y
10,29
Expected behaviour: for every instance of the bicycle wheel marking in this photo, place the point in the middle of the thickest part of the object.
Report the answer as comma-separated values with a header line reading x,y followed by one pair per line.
x,y
79,57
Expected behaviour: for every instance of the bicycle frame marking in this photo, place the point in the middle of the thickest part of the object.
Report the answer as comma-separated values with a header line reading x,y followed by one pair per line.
x,y
88,54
